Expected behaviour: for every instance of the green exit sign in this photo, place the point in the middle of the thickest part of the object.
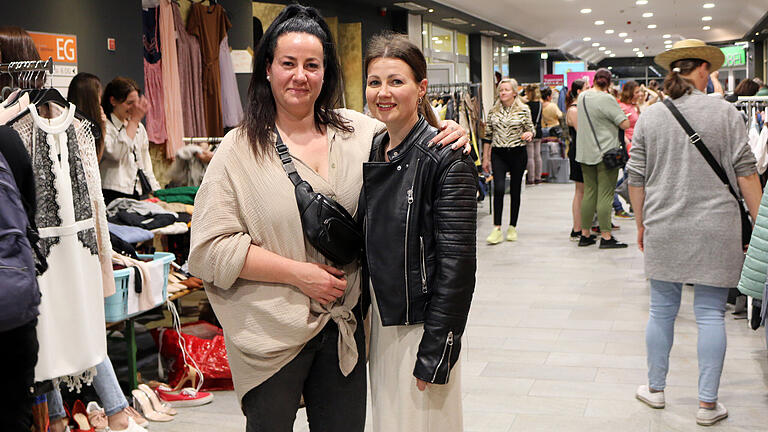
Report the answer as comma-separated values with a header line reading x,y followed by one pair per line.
x,y
734,56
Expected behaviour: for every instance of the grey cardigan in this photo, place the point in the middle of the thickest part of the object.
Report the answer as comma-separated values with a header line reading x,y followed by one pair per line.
x,y
692,224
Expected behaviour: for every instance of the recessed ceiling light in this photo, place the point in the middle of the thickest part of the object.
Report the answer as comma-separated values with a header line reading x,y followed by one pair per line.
x,y
608,51
601,49
651,26
609,31
641,2
434,38
667,36
623,34
505,35
647,14
516,49
628,40
599,22
708,5
431,10
706,28
640,55
544,56
635,49
612,55
586,10
595,44
587,39
706,18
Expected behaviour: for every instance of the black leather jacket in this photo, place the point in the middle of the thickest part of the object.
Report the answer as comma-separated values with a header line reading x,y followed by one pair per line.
x,y
420,243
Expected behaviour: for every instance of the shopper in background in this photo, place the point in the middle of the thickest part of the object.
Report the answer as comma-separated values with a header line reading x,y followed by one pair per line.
x,y
551,114
747,87
533,96
631,95
509,129
600,118
126,167
572,121
85,92
648,97
688,223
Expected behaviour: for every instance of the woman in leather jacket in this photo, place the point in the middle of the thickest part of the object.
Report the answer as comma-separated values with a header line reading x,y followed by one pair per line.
x,y
420,229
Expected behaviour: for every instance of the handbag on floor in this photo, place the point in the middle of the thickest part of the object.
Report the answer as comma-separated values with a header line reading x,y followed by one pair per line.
x,y
613,158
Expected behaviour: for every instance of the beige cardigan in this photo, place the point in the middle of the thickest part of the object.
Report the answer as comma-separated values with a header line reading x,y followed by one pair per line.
x,y
243,201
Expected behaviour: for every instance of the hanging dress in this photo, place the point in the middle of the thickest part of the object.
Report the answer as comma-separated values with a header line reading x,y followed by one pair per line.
x,y
231,106
153,77
190,78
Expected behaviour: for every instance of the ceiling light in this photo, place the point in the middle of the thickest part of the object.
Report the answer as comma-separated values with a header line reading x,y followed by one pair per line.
x,y
622,34
708,5
608,51
516,49
706,28
423,32
641,2
601,49
544,56
411,6
434,38
586,11
599,22
640,55
706,18
667,36
647,14
610,67
505,35
635,49
595,44
609,31
628,40
587,39
612,55
651,26
431,10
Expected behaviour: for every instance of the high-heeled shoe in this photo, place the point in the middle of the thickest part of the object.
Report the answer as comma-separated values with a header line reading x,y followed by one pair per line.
x,y
156,404
142,403
80,417
190,378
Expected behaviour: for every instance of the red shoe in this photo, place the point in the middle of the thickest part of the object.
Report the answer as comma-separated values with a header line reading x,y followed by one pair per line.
x,y
80,417
187,397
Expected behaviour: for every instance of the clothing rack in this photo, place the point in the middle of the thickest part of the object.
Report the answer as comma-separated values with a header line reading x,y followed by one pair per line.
x,y
445,88
28,66
203,140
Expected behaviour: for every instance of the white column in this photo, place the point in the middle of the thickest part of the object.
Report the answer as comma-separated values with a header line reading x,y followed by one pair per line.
x,y
486,57
414,30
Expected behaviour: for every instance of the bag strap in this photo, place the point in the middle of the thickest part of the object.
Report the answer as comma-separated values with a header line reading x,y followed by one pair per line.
x,y
591,126
695,139
285,157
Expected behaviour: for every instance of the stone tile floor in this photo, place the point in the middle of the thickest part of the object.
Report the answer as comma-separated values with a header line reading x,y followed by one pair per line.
x,y
555,341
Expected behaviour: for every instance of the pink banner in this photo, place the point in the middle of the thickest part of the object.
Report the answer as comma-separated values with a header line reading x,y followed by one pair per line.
x,y
554,80
588,76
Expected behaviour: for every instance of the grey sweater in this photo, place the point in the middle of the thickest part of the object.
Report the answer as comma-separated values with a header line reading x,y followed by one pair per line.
x,y
692,223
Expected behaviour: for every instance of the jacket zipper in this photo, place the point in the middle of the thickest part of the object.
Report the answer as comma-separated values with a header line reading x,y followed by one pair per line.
x,y
423,266
2,267
447,349
409,194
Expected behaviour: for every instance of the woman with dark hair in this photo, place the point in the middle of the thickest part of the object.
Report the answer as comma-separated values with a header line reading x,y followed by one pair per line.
x,y
747,87
85,92
688,222
126,167
629,99
600,118
292,318
571,119
15,45
420,221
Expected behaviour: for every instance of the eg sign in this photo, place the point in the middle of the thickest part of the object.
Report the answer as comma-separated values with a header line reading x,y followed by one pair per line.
x,y
61,47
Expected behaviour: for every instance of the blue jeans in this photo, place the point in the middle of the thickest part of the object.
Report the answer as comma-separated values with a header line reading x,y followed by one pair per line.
x,y
709,308
106,386
616,203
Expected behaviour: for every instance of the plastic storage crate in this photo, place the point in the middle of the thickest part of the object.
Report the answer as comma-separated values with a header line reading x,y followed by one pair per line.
x,y
116,305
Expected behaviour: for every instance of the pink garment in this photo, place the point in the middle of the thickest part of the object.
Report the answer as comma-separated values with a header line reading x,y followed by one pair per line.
x,y
153,88
174,122
190,77
231,106
632,114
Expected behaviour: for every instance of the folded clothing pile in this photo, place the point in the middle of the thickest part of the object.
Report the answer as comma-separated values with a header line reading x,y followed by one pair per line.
x,y
147,216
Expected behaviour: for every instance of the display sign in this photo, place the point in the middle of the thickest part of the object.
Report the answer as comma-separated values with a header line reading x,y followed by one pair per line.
x,y
553,80
734,56
61,47
563,67
588,76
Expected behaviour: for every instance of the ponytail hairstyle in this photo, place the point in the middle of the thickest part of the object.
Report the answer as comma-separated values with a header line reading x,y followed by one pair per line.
x,y
397,46
676,84
260,111
573,94
517,104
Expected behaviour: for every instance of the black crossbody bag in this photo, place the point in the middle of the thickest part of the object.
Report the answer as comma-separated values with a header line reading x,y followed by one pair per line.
x,y
327,224
613,158
695,139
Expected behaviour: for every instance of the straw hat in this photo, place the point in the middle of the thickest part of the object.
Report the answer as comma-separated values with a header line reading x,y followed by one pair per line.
x,y
691,49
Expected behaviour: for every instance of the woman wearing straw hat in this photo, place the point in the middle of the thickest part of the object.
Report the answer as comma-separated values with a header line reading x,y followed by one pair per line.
x,y
689,225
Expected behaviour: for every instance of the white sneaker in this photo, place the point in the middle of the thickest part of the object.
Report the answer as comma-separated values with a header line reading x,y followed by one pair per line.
x,y
132,427
653,400
708,417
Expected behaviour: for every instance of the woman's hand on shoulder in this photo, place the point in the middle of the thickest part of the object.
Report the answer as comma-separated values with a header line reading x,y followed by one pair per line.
x,y
320,282
452,133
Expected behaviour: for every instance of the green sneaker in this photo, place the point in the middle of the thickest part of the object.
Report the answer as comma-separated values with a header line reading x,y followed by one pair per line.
x,y
512,234
496,237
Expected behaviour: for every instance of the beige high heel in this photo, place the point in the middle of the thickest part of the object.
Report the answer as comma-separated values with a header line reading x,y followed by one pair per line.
x,y
145,407
156,404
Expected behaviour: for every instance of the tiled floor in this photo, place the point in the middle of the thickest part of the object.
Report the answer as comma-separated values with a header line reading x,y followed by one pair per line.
x,y
555,341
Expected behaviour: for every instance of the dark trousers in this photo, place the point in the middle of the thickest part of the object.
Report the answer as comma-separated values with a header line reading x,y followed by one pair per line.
x,y
513,161
335,403
18,362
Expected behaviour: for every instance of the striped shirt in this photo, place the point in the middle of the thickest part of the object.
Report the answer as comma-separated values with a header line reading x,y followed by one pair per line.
x,y
506,126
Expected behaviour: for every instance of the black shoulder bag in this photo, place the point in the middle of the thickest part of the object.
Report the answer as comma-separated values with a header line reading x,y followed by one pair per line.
x,y
327,225
613,158
695,139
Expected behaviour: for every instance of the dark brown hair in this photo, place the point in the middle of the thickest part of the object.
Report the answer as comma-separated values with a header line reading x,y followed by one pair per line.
x,y
119,88
261,110
573,94
628,92
532,92
546,92
397,46
85,92
675,85
16,45
603,78
746,87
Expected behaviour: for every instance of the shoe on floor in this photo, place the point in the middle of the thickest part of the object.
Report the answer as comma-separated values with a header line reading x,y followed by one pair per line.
x,y
512,234
575,236
587,241
653,400
97,417
132,427
622,214
136,416
187,397
708,417
612,244
496,237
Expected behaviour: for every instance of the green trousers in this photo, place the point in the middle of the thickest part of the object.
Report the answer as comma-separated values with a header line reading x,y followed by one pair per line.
x,y
599,187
